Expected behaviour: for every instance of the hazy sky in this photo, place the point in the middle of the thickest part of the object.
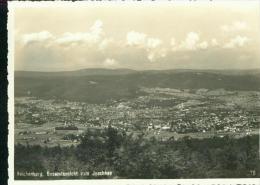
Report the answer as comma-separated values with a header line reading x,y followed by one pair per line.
x,y
215,35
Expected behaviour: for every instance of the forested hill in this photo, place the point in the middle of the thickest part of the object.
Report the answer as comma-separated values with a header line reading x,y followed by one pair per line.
x,y
124,71
81,72
99,85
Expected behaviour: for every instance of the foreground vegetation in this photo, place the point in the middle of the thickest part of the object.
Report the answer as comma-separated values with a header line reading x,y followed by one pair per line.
x,y
134,156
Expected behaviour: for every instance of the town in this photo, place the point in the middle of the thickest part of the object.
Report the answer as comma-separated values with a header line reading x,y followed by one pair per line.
x,y
162,113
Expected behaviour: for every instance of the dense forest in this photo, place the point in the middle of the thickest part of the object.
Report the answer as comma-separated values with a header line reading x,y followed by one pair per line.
x,y
137,157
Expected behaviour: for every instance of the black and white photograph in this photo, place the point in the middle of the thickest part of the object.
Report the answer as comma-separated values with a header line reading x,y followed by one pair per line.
x,y
134,90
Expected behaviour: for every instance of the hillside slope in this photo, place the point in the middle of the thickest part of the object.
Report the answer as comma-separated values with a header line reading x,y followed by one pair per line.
x,y
109,85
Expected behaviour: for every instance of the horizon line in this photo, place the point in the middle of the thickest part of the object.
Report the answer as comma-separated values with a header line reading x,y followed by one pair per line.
x,y
111,69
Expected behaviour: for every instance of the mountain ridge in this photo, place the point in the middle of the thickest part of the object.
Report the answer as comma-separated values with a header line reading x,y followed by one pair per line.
x,y
126,71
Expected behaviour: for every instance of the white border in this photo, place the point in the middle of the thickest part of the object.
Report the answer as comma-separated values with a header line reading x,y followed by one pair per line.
x,y
10,68
11,181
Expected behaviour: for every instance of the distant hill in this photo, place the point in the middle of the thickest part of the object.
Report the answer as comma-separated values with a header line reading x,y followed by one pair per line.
x,y
81,72
100,85
123,71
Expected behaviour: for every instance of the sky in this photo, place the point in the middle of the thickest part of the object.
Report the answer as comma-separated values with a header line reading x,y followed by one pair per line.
x,y
140,36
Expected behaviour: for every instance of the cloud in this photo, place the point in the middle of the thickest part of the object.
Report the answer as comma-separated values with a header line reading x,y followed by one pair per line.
x,y
93,48
138,39
109,62
203,45
94,35
238,41
175,46
134,38
105,43
153,43
154,50
97,28
36,37
191,41
155,55
214,42
235,26
73,37
151,57
91,37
